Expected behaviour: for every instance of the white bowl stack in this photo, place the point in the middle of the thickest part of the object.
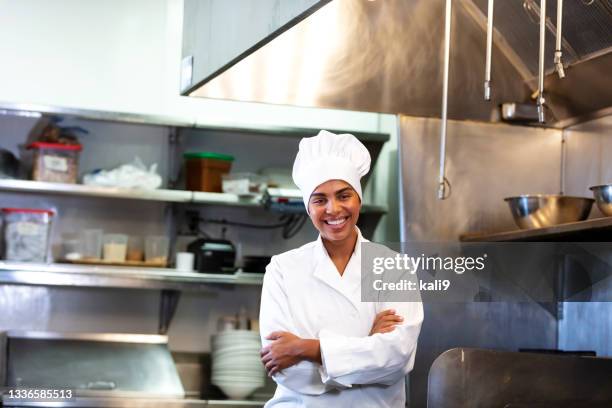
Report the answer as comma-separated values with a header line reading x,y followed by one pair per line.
x,y
236,364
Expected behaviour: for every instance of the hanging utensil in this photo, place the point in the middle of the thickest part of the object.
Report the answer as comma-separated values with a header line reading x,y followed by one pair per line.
x,y
487,83
558,52
541,99
442,180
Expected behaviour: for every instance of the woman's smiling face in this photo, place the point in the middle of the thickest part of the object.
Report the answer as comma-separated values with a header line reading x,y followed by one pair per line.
x,y
334,209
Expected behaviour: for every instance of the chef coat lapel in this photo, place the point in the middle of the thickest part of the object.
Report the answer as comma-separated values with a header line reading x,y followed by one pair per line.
x,y
348,285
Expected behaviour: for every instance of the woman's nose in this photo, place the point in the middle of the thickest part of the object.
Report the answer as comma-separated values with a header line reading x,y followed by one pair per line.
x,y
332,206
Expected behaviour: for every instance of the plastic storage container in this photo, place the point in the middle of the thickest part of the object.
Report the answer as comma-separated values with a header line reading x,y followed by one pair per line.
x,y
156,250
91,244
55,162
26,233
115,247
134,249
205,170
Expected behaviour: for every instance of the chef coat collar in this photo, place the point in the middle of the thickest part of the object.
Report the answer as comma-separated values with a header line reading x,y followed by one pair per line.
x,y
349,284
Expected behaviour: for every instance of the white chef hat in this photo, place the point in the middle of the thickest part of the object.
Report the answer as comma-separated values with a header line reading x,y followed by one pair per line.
x,y
328,156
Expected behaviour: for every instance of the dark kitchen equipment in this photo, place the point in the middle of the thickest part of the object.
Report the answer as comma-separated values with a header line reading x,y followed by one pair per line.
x,y
102,369
213,255
464,377
9,165
252,263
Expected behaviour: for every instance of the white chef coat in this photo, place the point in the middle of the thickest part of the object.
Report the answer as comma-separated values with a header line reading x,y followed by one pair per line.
x,y
304,294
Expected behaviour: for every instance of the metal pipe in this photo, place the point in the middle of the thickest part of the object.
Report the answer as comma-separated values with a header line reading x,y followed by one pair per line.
x,y
541,99
563,162
559,38
487,83
447,30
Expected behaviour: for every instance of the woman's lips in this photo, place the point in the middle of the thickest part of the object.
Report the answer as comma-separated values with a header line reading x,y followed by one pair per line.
x,y
336,223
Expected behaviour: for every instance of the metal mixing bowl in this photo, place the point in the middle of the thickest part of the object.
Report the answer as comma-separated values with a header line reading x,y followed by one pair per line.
x,y
544,210
603,198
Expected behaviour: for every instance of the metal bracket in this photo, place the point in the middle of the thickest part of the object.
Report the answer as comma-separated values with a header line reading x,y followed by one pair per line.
x,y
174,161
168,303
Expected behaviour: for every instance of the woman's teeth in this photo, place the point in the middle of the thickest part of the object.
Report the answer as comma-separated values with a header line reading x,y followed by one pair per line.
x,y
336,222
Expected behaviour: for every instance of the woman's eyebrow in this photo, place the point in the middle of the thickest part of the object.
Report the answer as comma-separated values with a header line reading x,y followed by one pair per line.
x,y
345,189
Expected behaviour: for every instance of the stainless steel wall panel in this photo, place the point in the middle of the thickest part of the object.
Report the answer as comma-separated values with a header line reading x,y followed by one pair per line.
x,y
588,149
587,326
485,163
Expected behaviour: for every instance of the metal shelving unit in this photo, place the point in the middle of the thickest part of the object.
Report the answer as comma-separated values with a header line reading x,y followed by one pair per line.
x,y
169,282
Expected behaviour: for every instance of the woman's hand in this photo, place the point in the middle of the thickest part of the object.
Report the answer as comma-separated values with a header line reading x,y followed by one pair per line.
x,y
385,322
287,350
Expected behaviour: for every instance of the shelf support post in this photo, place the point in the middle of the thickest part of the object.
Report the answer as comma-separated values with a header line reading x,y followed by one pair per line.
x,y
169,300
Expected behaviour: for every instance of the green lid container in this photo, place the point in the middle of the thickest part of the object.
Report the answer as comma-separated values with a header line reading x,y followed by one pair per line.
x,y
208,155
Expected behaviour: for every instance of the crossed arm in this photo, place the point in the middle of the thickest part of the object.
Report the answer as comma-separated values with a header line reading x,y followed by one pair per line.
x,y
315,366
287,349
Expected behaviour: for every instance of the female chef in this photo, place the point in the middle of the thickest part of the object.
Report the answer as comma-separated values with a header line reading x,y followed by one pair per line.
x,y
322,345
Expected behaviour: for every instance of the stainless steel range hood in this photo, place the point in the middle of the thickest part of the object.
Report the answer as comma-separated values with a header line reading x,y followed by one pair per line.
x,y
386,56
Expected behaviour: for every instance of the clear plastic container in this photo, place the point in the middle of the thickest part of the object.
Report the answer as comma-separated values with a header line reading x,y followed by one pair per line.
x,y
115,247
91,244
71,249
26,234
156,250
55,162
135,251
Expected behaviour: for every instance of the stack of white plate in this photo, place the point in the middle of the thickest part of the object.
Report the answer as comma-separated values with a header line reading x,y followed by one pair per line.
x,y
236,364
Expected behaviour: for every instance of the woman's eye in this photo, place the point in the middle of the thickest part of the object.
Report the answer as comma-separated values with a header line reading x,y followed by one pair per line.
x,y
345,196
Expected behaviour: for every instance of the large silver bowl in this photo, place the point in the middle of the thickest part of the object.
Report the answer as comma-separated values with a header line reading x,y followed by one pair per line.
x,y
603,198
545,210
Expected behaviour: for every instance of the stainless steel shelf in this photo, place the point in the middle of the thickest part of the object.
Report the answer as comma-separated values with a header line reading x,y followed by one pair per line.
x,y
160,195
176,196
595,230
202,197
37,111
118,277
27,186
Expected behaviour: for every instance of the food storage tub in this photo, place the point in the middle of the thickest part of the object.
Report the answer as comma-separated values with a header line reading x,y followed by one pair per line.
x,y
55,162
26,234
205,170
115,247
